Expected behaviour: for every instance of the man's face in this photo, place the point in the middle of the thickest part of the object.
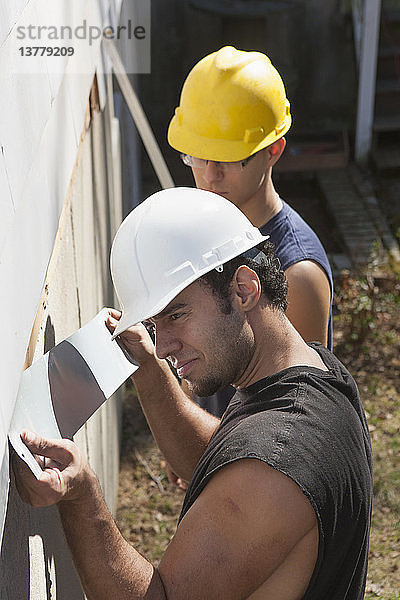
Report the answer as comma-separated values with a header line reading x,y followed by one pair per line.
x,y
209,349
239,187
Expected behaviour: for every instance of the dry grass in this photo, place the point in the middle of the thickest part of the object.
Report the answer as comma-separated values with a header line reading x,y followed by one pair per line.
x,y
368,342
148,505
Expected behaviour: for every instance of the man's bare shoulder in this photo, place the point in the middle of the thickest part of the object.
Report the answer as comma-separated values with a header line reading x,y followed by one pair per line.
x,y
249,523
309,298
308,271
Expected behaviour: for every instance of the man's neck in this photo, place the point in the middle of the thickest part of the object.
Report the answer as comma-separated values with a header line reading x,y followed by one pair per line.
x,y
264,205
278,346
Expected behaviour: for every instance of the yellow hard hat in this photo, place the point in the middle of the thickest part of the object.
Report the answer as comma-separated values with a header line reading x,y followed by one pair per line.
x,y
233,104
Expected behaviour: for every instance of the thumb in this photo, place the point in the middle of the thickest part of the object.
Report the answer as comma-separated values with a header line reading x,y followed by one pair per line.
x,y
56,449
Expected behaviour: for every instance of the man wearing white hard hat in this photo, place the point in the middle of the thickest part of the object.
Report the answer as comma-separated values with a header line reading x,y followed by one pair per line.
x,y
294,439
229,128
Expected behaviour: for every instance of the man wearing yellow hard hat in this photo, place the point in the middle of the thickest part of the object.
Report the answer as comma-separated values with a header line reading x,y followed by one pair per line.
x,y
229,129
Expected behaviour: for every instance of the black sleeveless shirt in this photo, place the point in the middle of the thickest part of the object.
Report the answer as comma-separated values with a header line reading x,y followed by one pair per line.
x,y
310,425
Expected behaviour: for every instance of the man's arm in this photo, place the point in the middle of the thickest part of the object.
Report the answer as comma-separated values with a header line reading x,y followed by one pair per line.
x,y
107,565
181,429
309,297
251,533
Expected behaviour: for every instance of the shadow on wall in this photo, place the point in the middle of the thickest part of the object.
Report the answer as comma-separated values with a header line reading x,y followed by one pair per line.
x,y
49,336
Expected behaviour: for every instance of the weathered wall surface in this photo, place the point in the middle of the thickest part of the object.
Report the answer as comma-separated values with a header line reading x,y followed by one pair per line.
x,y
35,562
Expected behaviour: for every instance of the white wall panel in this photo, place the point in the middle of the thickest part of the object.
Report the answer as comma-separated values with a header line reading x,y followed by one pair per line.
x,y
25,255
57,151
7,208
30,85
24,110
75,86
74,294
42,115
23,266
39,171
25,106
31,236
9,15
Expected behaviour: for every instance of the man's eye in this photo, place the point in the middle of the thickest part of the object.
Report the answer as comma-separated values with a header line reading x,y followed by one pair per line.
x,y
176,316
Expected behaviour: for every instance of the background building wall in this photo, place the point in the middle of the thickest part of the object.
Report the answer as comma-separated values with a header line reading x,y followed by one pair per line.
x,y
60,205
310,42
35,561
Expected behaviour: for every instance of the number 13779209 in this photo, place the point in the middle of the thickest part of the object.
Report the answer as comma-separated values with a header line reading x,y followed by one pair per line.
x,y
46,50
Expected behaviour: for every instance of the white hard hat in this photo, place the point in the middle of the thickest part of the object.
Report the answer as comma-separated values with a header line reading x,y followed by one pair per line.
x,y
170,240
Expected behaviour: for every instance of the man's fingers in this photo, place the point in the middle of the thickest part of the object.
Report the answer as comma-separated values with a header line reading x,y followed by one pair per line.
x,y
58,450
114,314
63,469
112,319
46,491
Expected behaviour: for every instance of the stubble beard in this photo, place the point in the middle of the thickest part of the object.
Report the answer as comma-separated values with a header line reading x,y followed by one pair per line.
x,y
232,350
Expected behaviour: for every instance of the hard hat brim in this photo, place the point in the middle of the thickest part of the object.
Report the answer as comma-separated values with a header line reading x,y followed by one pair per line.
x,y
219,149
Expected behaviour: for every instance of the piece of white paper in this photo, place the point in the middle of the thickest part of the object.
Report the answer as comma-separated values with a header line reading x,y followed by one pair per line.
x,y
63,388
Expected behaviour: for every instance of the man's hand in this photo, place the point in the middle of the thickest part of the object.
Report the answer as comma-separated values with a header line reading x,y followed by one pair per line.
x,y
64,476
108,566
136,339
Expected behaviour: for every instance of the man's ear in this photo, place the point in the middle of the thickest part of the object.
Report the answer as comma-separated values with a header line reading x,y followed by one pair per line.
x,y
275,151
246,287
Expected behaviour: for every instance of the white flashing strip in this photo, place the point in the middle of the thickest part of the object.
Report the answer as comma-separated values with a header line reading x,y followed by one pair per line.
x,y
103,356
105,368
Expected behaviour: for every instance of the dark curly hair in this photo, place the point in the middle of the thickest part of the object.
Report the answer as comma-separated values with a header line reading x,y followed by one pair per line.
x,y
268,269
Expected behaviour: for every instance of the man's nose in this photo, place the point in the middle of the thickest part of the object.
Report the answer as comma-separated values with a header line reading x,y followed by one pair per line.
x,y
212,171
166,344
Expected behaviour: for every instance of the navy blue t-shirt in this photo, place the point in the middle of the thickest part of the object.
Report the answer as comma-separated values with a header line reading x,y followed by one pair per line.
x,y
294,241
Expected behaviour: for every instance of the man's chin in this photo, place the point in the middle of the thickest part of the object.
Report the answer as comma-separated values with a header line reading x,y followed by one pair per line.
x,y
203,389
